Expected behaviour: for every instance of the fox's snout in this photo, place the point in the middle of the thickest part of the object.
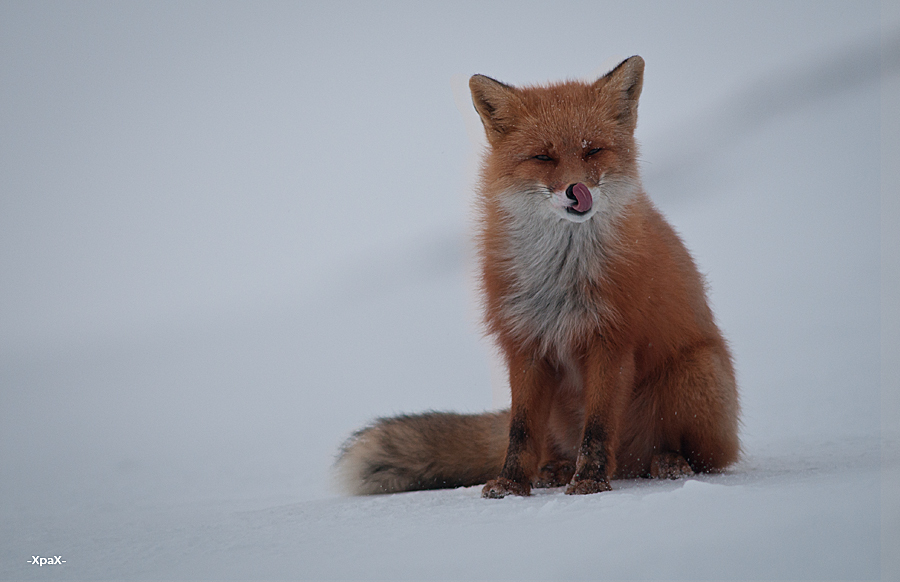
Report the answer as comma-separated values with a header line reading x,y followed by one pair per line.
x,y
581,196
573,202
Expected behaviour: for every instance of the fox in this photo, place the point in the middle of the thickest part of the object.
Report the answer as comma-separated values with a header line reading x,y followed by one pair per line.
x,y
617,368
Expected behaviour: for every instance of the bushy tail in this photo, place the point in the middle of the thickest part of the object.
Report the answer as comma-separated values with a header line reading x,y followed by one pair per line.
x,y
434,450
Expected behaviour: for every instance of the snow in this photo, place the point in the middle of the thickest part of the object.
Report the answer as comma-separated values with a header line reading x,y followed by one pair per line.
x,y
232,234
805,516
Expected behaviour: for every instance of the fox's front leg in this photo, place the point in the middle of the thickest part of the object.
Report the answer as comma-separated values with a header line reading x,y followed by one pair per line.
x,y
531,384
607,383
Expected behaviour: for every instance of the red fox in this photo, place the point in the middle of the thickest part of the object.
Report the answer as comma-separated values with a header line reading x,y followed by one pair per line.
x,y
616,365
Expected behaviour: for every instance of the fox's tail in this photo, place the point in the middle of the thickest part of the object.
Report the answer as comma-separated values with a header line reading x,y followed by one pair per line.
x,y
434,450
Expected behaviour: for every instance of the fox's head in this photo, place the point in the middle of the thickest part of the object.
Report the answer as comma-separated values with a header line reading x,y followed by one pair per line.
x,y
568,147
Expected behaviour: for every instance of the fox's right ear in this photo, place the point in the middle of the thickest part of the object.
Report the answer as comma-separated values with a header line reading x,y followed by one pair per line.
x,y
496,104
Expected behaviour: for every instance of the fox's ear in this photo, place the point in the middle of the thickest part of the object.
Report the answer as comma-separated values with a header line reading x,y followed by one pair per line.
x,y
496,104
624,84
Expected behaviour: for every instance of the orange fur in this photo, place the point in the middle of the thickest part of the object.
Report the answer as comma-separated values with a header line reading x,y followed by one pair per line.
x,y
641,370
616,365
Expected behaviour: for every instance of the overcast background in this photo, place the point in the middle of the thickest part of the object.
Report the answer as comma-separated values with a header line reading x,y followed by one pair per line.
x,y
233,233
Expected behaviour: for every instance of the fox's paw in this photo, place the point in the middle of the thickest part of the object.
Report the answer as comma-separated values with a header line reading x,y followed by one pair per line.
x,y
500,487
554,474
587,486
669,466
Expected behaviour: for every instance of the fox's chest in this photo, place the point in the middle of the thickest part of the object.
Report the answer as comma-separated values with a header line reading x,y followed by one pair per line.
x,y
554,272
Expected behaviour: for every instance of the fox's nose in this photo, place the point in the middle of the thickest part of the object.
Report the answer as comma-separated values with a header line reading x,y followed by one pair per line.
x,y
581,195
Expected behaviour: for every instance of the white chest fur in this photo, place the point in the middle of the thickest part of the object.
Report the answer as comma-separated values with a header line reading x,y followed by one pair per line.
x,y
555,264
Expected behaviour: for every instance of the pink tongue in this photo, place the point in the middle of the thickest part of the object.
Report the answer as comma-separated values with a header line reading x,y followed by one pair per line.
x,y
583,198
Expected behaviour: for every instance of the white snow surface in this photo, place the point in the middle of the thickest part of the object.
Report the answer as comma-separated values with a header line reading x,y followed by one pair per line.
x,y
231,234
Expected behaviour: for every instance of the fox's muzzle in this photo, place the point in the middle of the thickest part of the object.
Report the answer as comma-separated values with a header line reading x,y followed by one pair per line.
x,y
580,194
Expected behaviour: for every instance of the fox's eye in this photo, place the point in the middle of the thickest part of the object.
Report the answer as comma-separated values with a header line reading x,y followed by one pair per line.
x,y
543,158
594,151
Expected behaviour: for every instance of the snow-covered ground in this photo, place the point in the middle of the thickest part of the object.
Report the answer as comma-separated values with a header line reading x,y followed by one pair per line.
x,y
231,234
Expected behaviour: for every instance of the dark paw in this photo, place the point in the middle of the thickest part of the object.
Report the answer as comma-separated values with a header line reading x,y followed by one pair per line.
x,y
587,487
669,466
499,488
555,474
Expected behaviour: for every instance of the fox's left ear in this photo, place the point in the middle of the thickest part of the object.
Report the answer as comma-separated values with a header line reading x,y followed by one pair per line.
x,y
624,84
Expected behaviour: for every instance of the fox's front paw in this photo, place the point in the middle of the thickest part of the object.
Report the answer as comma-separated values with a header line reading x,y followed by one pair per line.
x,y
587,486
500,487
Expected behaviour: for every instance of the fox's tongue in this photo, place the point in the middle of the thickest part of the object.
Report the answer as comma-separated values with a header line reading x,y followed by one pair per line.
x,y
583,198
